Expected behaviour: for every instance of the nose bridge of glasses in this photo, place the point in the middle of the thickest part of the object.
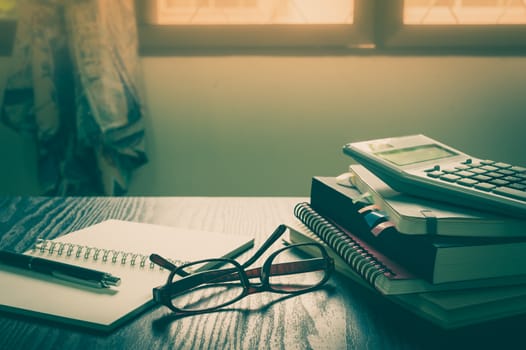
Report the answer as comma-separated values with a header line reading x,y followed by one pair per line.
x,y
256,288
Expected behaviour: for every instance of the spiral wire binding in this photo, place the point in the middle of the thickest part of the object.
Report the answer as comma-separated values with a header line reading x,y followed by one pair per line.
x,y
359,258
78,251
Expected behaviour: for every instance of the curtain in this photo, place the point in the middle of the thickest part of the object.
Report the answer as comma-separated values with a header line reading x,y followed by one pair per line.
x,y
74,87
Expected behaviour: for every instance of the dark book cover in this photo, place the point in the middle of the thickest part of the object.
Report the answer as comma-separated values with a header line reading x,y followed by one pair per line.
x,y
417,253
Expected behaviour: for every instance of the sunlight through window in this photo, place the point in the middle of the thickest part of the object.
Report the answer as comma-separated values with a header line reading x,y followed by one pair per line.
x,y
255,12
464,12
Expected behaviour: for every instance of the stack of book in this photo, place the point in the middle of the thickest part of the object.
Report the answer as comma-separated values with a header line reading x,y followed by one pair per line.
x,y
450,265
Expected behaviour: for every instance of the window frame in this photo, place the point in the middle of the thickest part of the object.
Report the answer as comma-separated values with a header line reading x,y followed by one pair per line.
x,y
165,38
377,29
394,34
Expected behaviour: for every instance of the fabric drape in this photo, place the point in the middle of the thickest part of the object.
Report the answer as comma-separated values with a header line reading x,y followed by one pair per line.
x,y
74,87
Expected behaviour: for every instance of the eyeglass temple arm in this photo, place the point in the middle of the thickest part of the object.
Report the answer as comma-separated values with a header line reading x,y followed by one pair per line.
x,y
159,260
226,275
273,237
287,268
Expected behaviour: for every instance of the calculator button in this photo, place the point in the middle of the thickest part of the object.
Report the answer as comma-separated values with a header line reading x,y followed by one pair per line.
x,y
511,178
494,174
450,177
462,167
502,165
518,169
465,173
499,182
489,168
484,186
506,172
487,162
521,187
450,170
467,182
435,174
482,178
477,170
511,192
476,164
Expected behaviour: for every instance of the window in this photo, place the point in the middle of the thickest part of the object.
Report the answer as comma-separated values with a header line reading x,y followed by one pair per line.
x,y
255,23
472,24
254,11
421,25
465,12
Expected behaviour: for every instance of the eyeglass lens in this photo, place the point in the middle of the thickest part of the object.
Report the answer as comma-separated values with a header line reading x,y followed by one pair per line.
x,y
302,276
211,294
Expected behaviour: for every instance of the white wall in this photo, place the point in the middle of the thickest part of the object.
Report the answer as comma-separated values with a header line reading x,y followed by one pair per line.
x,y
264,125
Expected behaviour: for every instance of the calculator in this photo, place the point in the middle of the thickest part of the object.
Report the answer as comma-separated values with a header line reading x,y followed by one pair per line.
x,y
423,167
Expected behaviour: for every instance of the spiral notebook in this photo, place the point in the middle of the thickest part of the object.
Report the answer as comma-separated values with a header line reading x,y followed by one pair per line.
x,y
447,309
118,247
377,270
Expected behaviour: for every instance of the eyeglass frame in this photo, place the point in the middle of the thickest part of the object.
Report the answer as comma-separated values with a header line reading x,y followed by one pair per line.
x,y
163,294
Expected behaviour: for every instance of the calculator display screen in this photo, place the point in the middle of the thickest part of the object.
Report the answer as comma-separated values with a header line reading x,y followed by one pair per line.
x,y
416,154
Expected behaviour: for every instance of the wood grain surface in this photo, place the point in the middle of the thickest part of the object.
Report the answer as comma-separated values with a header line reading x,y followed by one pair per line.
x,y
342,315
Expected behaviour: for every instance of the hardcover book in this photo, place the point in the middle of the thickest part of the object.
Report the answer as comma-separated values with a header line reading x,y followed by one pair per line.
x,y
439,259
378,270
418,216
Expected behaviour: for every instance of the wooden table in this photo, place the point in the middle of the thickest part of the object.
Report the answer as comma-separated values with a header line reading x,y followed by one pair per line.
x,y
342,315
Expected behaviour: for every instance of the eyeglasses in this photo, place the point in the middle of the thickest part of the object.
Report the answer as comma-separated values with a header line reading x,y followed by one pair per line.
x,y
221,282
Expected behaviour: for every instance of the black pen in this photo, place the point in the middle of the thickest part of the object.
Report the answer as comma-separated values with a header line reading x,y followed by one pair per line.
x,y
72,273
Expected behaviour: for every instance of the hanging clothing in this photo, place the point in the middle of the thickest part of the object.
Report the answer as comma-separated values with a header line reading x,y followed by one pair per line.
x,y
74,87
